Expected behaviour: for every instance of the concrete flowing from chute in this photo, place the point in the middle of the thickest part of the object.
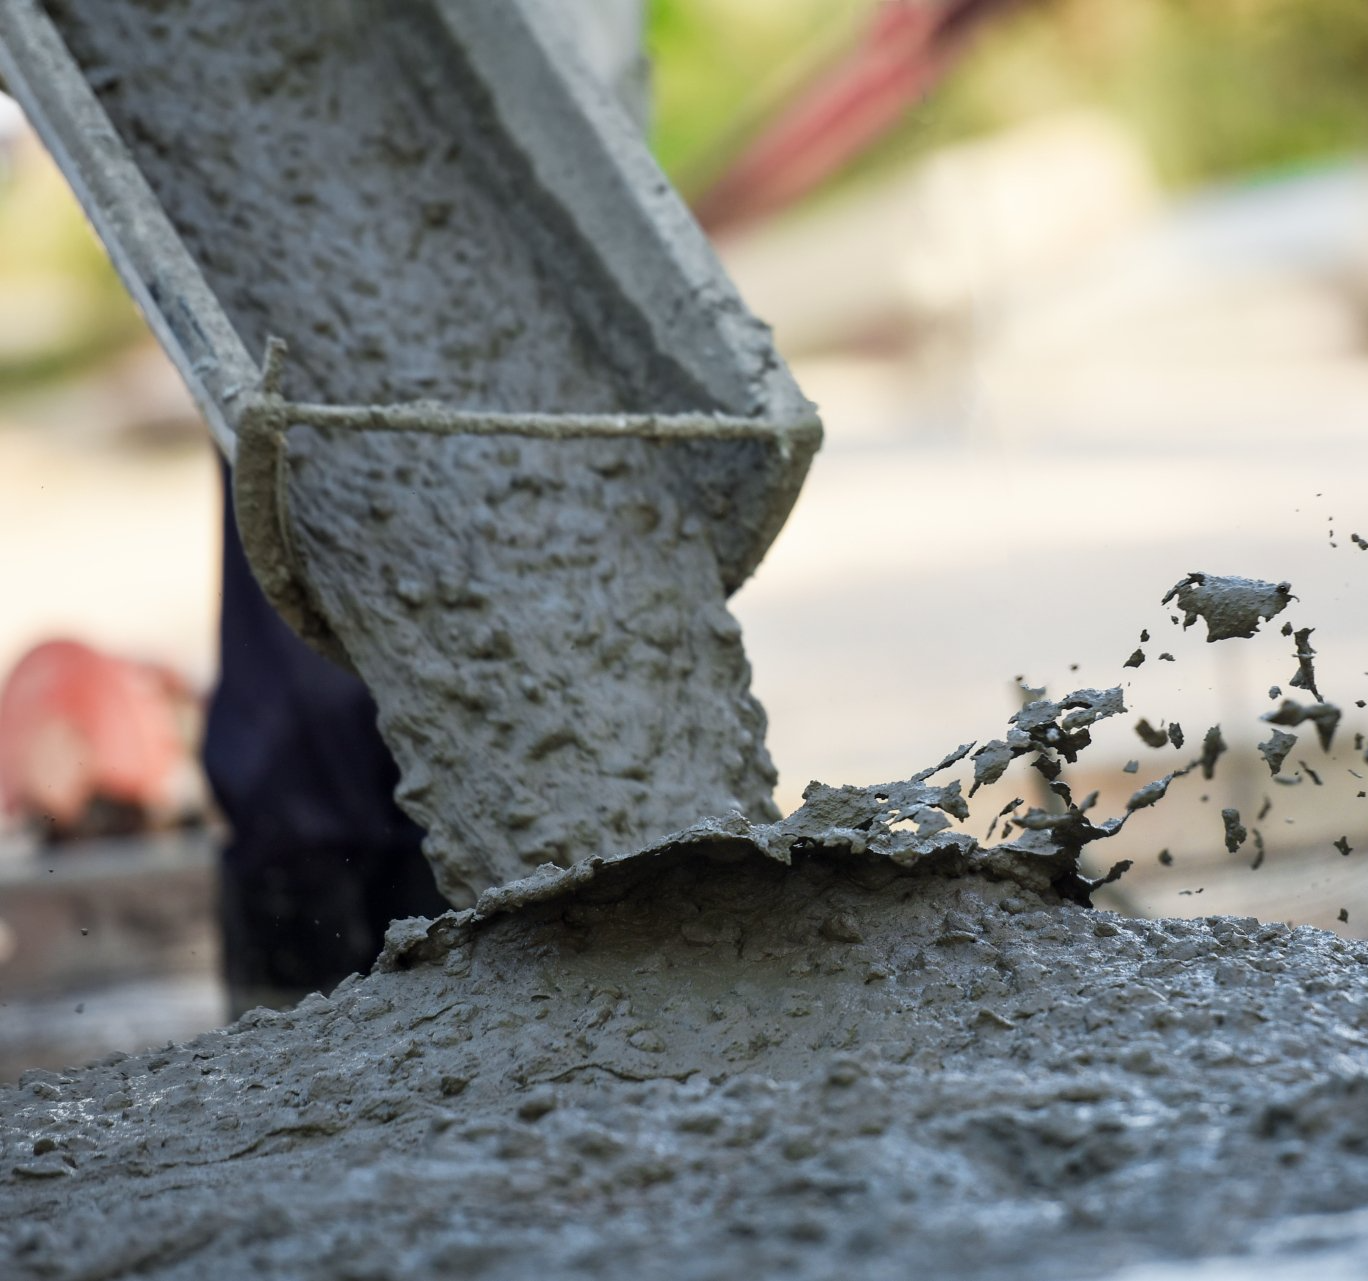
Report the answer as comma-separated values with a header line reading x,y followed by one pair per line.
x,y
504,436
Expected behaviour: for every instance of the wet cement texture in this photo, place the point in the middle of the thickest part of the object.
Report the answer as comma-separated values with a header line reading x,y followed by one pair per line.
x,y
1231,607
702,1063
543,622
340,180
566,620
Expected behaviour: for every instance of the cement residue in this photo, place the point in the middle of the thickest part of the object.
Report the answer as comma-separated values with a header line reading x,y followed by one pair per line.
x,y
708,1064
552,607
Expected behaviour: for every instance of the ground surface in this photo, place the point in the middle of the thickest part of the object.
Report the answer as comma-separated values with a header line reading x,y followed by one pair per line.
x,y
107,944
685,1067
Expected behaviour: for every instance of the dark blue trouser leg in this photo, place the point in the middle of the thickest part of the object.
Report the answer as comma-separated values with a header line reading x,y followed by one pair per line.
x,y
321,858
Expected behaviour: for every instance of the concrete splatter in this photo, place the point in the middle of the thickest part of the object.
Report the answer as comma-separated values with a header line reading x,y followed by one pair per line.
x,y
1231,607
1324,716
1274,750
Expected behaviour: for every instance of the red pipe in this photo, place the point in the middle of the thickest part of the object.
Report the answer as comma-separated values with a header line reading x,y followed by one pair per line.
x,y
907,48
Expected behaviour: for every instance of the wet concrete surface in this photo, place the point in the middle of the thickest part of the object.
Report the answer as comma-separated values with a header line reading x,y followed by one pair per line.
x,y
709,1065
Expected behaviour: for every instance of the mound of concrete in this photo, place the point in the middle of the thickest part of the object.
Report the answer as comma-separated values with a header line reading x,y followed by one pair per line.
x,y
707,1062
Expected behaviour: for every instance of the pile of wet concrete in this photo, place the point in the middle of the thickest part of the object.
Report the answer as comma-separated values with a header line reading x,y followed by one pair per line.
x,y
708,1062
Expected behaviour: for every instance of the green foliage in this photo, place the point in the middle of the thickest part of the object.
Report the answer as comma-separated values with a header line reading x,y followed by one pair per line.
x,y
1214,88
722,65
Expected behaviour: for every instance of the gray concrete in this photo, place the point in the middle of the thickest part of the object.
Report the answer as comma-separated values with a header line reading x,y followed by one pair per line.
x,y
699,1063
458,233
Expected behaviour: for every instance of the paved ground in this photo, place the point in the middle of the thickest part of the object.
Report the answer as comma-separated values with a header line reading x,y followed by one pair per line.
x,y
106,945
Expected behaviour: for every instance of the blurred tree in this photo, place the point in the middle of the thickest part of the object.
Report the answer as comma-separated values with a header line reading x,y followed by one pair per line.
x,y
721,67
1214,88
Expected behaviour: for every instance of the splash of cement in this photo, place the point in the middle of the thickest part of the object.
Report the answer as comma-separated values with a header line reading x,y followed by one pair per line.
x,y
1305,675
1231,607
1324,716
1213,747
1152,736
1153,793
1050,729
1275,750
1235,831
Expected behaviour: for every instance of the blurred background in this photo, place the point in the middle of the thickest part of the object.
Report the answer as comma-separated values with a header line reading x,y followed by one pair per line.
x,y
1081,291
